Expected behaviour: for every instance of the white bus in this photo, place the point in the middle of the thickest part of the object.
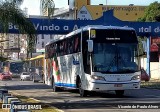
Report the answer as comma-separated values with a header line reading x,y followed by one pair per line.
x,y
94,58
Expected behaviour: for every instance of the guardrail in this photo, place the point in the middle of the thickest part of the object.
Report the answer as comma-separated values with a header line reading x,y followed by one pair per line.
x,y
11,103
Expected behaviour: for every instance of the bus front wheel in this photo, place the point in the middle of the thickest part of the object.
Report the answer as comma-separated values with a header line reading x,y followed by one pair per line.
x,y
119,92
82,92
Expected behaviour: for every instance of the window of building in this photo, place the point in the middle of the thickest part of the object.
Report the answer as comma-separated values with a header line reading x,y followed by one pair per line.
x,y
154,57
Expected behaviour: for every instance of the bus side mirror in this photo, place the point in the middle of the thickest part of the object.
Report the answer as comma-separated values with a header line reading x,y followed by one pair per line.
x,y
90,45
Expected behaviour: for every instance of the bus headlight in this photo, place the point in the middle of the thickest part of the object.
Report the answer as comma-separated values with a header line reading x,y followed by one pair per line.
x,y
95,77
136,77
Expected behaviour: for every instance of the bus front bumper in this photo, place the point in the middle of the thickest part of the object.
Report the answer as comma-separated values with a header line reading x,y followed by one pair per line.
x,y
96,86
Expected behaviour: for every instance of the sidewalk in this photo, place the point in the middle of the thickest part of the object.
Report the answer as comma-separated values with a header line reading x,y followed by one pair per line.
x,y
32,101
152,84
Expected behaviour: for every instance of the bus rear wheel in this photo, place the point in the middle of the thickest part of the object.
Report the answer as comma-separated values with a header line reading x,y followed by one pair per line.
x,y
119,92
82,92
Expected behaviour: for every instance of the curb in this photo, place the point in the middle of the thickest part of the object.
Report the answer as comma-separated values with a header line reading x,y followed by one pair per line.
x,y
56,109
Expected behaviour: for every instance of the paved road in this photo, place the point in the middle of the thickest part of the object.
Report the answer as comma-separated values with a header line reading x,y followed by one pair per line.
x,y
70,101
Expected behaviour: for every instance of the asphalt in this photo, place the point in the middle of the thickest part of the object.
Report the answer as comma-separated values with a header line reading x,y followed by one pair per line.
x,y
70,101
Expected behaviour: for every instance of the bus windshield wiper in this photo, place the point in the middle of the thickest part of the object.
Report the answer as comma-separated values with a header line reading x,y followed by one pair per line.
x,y
128,70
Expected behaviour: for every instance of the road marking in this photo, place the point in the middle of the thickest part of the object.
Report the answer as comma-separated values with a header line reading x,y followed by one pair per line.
x,y
34,99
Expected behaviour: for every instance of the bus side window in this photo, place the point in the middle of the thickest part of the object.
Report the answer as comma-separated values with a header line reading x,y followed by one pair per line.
x,y
76,44
57,49
70,46
61,49
64,47
87,68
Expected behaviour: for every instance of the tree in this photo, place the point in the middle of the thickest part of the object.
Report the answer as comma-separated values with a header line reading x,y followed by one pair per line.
x,y
16,2
152,13
10,12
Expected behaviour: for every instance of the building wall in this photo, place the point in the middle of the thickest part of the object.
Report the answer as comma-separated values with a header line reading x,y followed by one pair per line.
x,y
3,45
18,41
14,41
42,40
126,13
154,68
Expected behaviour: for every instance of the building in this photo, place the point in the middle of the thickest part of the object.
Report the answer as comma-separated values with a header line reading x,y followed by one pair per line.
x,y
42,40
3,45
14,46
84,10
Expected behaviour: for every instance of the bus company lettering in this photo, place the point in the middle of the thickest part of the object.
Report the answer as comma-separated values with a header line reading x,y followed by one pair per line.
x,y
75,61
113,39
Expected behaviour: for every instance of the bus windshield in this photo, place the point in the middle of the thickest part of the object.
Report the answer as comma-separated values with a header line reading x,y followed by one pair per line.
x,y
115,58
16,67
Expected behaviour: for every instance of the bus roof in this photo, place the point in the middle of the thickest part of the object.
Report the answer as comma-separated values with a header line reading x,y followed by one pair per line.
x,y
37,57
86,28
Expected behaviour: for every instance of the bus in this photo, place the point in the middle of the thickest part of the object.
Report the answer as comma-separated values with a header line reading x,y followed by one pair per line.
x,y
94,58
36,65
14,67
37,61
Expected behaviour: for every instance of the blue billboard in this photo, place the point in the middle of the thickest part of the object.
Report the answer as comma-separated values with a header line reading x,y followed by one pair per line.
x,y
61,26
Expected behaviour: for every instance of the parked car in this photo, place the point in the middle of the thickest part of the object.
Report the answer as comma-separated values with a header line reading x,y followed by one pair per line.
x,y
144,75
25,76
5,76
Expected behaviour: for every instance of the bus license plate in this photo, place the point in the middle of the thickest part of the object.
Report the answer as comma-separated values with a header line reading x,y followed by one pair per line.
x,y
117,85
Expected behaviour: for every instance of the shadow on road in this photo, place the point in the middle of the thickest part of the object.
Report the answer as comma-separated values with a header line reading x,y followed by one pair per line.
x,y
26,87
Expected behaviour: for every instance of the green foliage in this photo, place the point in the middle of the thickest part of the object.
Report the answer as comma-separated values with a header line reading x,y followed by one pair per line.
x,y
152,13
10,12
140,45
3,59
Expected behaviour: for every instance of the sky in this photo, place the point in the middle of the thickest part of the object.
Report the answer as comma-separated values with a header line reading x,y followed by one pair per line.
x,y
34,5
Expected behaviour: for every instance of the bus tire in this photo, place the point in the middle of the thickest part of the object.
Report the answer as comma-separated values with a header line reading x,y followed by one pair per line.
x,y
82,92
119,92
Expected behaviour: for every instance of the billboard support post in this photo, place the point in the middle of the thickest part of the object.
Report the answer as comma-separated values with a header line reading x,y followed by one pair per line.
x,y
148,55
